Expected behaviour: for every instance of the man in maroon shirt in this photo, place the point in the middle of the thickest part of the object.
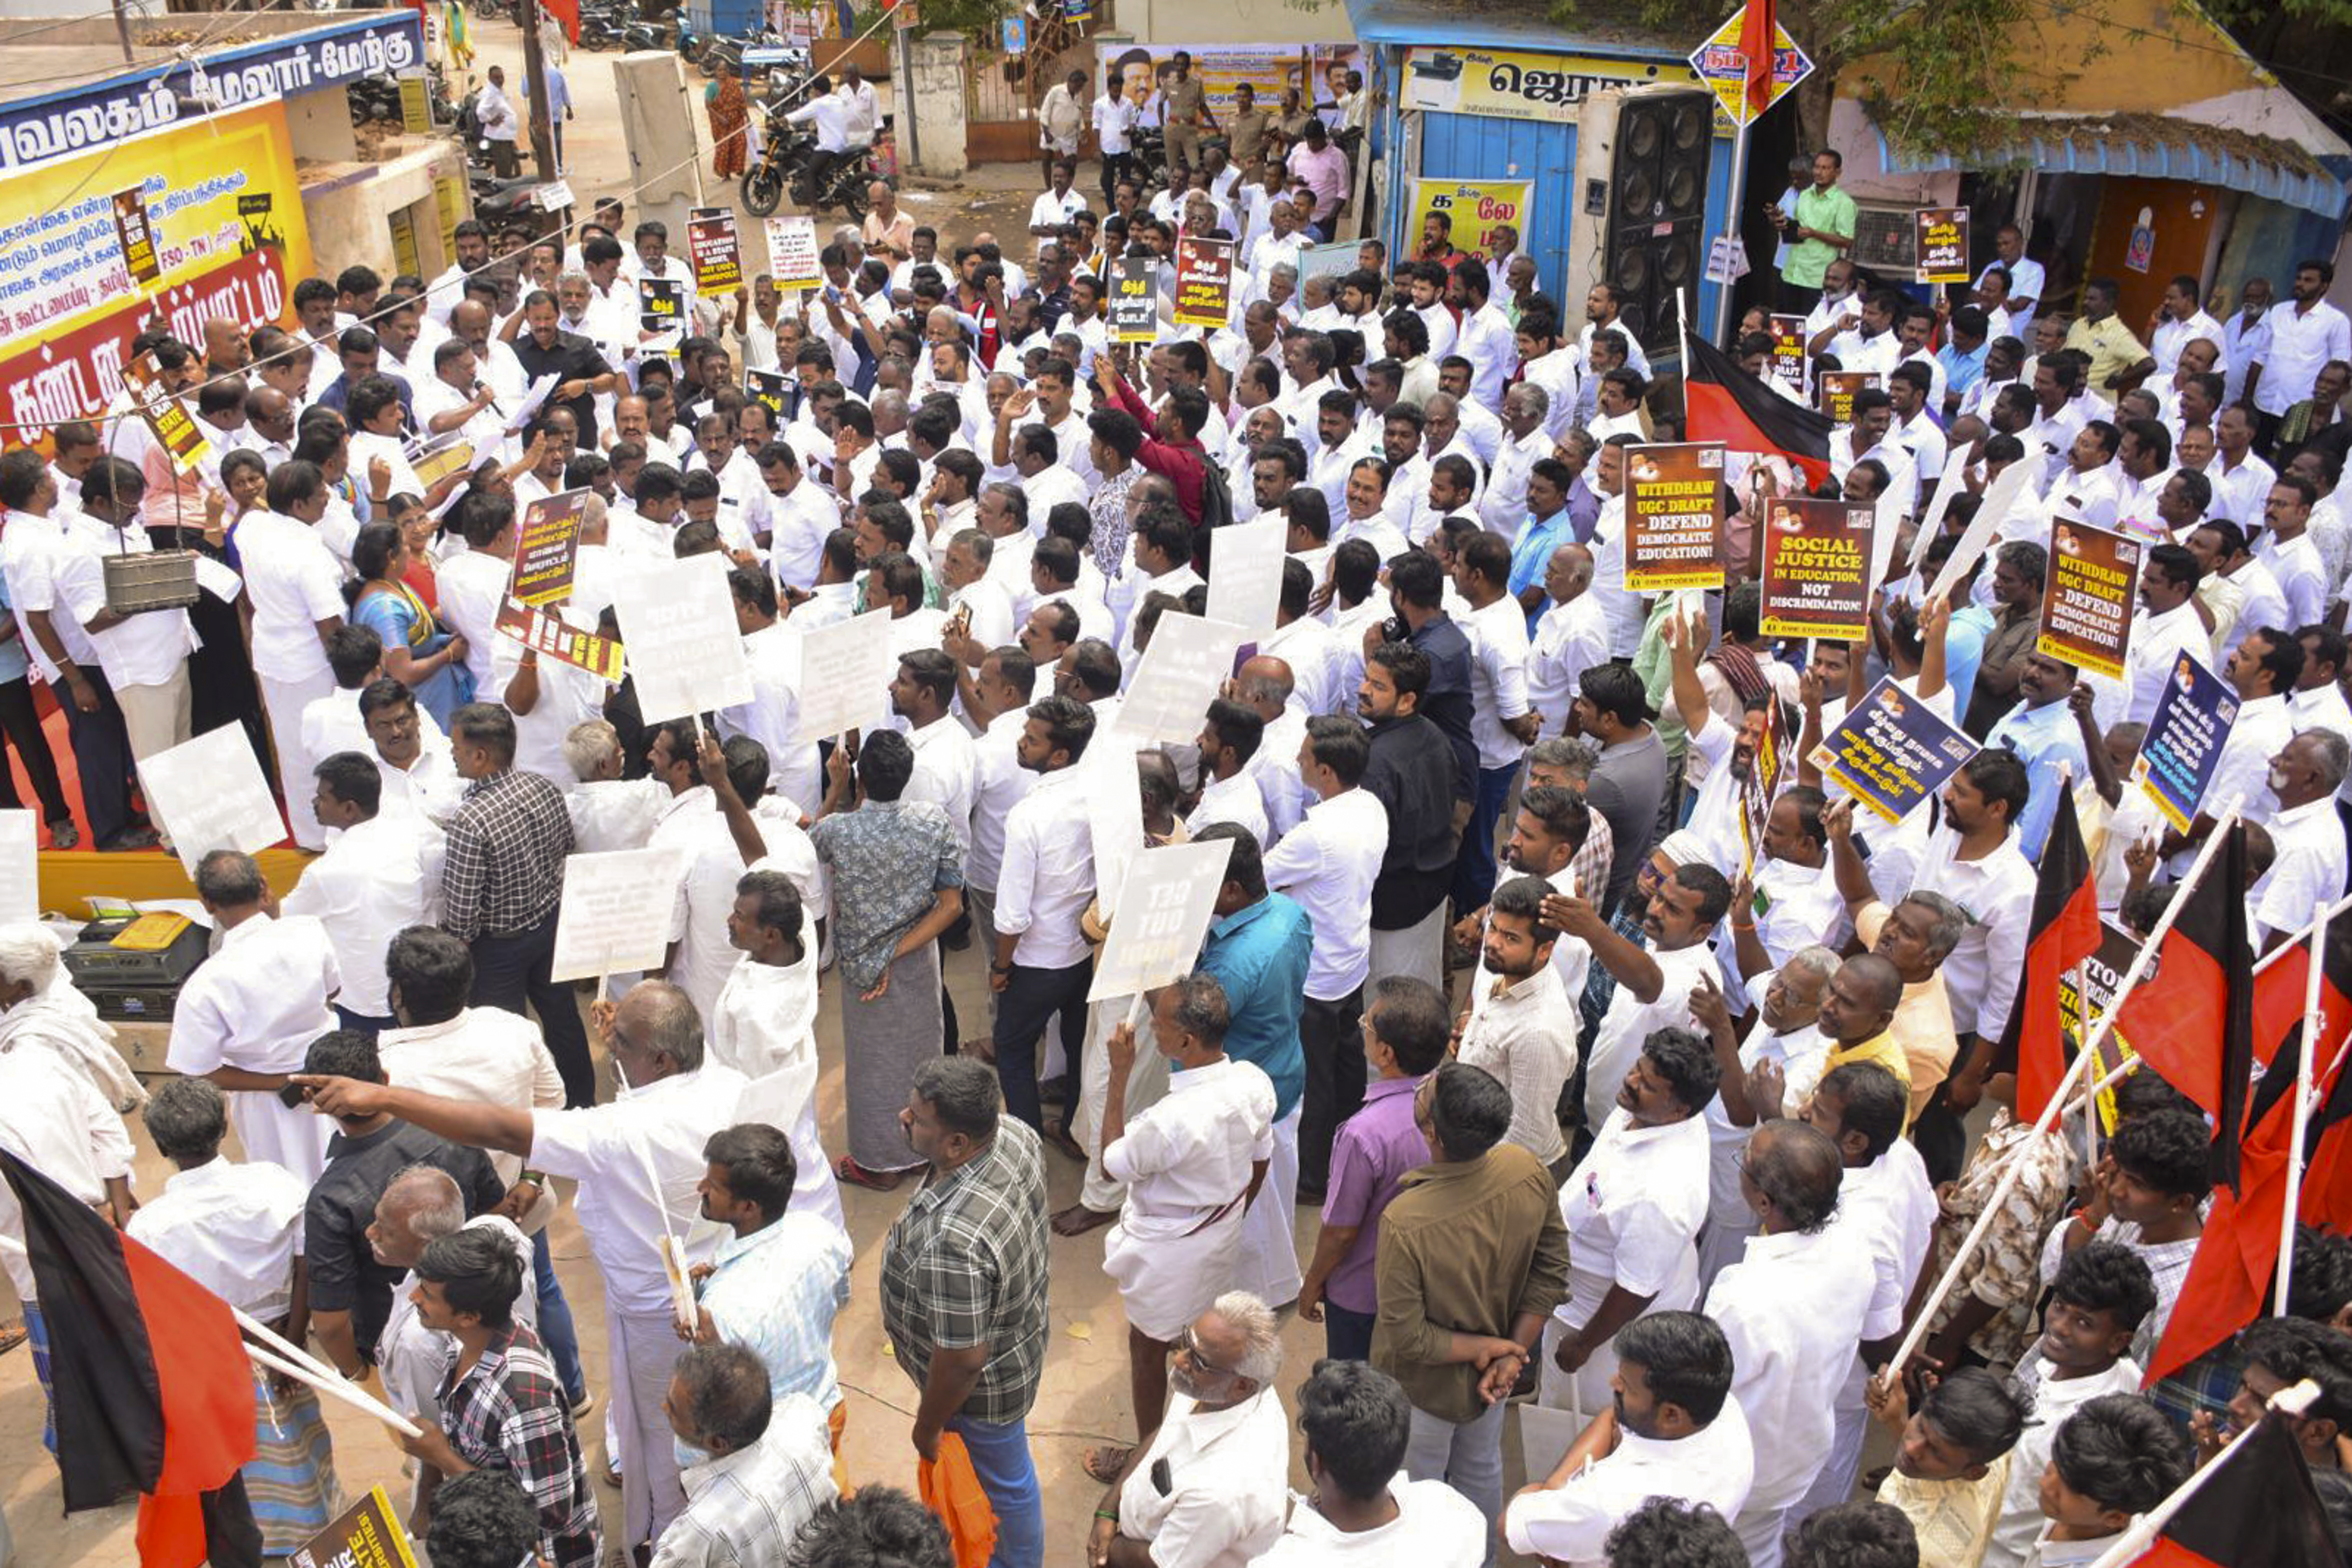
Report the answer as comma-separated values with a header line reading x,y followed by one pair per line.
x,y
1172,437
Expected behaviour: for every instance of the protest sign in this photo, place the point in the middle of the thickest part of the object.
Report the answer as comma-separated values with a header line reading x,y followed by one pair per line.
x,y
2087,611
554,196
770,387
136,235
793,253
433,466
2102,972
1674,517
1134,304
2183,748
1473,209
845,670
1999,496
1180,672
1835,391
1816,568
1333,261
552,637
1943,244
1204,282
1245,574
1788,363
368,1534
661,304
616,913
1892,751
677,622
1940,506
717,250
208,793
547,549
1166,902
20,867
174,428
1114,794
1757,792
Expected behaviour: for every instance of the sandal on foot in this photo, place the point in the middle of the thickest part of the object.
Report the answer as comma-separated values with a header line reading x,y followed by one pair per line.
x,y
849,1170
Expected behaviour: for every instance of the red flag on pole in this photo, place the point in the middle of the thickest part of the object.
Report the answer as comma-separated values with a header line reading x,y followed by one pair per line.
x,y
2064,931
1758,27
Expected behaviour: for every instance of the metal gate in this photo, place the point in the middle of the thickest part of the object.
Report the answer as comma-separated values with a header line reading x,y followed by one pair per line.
x,y
1000,119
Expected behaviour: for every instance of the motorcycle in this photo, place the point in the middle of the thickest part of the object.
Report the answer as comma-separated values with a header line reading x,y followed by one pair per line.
x,y
375,99
728,53
1148,159
490,10
786,165
509,209
601,29
649,32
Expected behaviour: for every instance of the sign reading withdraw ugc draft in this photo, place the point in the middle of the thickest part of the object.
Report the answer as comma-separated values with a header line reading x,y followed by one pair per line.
x,y
1674,517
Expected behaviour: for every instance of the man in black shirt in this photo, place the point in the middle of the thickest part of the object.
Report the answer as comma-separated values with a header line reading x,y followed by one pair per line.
x,y
351,1290
1412,773
1417,590
543,347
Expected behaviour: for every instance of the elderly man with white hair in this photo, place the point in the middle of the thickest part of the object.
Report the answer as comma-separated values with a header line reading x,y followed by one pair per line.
x,y
39,1005
423,1204
1211,1487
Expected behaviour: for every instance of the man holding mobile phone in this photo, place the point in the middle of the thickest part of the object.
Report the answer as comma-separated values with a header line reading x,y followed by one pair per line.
x,y
1820,229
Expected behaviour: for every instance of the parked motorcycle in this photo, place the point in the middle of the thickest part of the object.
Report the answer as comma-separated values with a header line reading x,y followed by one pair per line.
x,y
785,166
727,53
602,30
490,10
650,33
509,209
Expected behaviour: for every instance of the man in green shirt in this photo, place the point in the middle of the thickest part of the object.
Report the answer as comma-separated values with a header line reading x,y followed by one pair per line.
x,y
1822,231
2119,362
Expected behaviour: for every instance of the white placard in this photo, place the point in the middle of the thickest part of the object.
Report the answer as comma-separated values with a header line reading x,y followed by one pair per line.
x,y
1998,497
845,670
1245,575
1181,671
1167,899
20,866
210,795
616,913
1955,476
792,252
1113,788
677,632
1890,513
555,197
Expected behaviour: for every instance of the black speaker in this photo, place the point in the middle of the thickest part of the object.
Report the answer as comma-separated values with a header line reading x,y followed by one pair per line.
x,y
1657,222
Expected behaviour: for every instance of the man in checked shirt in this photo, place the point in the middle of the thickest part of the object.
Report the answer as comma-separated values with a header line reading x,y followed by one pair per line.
x,y
501,881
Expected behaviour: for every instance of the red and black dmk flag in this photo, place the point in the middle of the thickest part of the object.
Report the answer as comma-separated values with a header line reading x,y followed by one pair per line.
x,y
2064,931
1725,403
2258,1511
2279,995
2192,1020
150,1379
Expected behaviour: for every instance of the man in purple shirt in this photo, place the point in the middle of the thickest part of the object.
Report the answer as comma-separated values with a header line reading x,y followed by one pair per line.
x,y
1323,168
1406,1036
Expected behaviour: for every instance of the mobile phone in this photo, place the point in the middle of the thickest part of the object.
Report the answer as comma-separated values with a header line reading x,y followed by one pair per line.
x,y
290,1095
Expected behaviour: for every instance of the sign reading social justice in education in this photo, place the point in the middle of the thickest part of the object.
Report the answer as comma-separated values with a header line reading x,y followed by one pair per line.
x,y
368,1534
1204,282
616,912
209,794
1722,66
2183,748
1892,751
845,670
1674,517
1166,902
677,622
1816,576
1475,209
2093,582
1188,661
547,550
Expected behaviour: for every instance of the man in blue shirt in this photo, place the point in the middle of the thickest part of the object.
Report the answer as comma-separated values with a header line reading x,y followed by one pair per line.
x,y
1962,356
2041,730
1544,530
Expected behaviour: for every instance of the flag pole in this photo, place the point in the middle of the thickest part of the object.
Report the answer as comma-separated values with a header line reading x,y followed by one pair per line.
x,y
335,1388
2305,1065
2143,1531
2295,938
1731,214
2013,1170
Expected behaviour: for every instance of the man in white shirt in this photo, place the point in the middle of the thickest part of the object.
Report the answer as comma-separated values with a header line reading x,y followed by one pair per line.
x,y
2179,322
1655,980
2305,333
923,695
1114,122
1521,1025
1356,1420
2166,627
1232,738
2309,867
297,593
2286,549
1502,723
1528,440
1486,337
499,125
1210,1485
1041,963
1673,1432
379,874
1327,863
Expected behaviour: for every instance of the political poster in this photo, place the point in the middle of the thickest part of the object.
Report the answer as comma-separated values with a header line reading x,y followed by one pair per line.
x,y
20,867
615,915
547,549
771,387
1722,63
368,1534
136,235
1114,794
1204,282
2183,748
717,250
1473,209
1788,363
1835,390
1245,574
1674,517
168,420
1892,751
793,253
1816,571
1509,84
1134,303
1165,902
2079,1011
208,793
1943,244
1188,661
845,670
661,304
677,622
1221,69
2087,610
552,637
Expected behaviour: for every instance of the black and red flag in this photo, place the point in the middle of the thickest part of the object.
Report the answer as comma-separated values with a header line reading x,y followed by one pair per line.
x,y
2192,1018
148,1372
2258,1510
1725,403
2278,1012
2064,932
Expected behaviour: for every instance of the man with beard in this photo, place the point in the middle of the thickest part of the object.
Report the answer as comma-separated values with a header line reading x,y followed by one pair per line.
x,y
1521,1023
1412,773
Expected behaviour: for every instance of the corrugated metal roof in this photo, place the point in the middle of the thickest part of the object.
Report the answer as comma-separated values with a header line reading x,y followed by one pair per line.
x,y
2153,148
1504,24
